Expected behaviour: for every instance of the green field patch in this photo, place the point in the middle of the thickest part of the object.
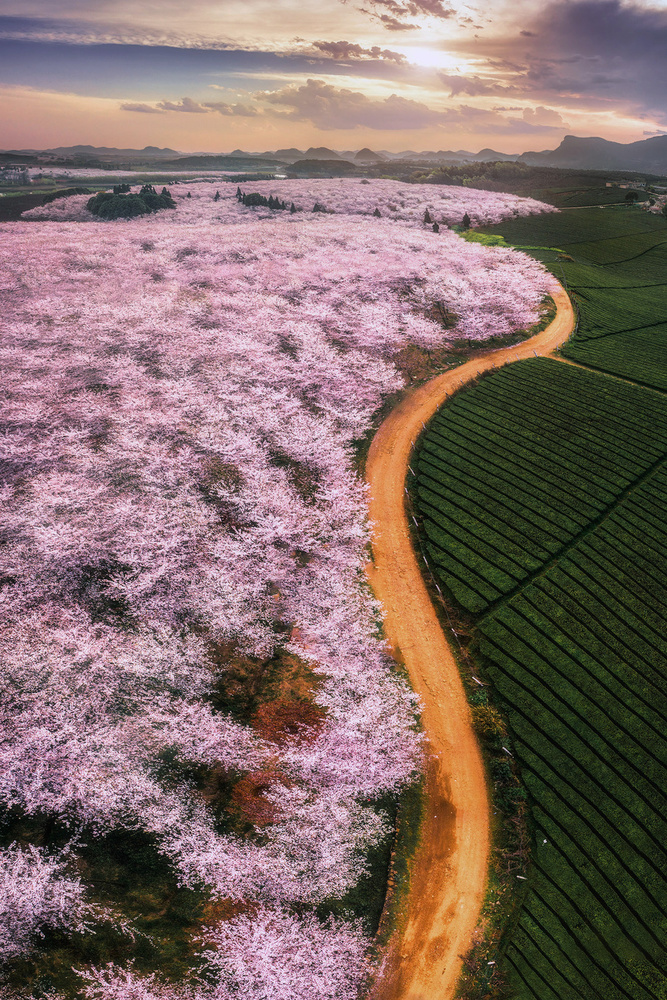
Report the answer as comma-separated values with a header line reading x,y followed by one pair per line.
x,y
548,483
544,462
639,355
614,263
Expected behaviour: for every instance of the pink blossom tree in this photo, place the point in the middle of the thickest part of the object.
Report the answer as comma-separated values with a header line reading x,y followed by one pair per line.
x,y
37,894
181,402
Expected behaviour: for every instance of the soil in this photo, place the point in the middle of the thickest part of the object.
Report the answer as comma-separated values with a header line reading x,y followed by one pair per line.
x,y
448,876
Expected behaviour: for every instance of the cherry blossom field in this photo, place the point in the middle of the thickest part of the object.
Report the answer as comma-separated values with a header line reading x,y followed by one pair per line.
x,y
393,199
190,653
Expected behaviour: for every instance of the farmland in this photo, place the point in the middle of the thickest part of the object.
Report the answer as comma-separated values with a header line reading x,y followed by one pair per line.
x,y
500,499
541,497
614,262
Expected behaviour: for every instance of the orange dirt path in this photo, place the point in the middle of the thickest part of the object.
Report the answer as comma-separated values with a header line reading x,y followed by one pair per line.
x,y
448,877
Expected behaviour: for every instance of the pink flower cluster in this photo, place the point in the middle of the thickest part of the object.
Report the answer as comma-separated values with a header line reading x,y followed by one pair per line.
x,y
445,203
270,956
180,407
36,894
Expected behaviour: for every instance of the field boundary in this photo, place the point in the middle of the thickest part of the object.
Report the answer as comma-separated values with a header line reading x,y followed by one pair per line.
x,y
592,525
448,883
602,371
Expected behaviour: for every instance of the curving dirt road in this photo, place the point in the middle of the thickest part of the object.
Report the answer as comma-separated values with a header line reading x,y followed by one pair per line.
x,y
449,869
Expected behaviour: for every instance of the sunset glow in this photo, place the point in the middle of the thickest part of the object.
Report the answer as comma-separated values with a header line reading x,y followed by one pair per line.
x,y
519,79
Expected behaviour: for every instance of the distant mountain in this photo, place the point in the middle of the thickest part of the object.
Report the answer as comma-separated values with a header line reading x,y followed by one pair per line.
x,y
441,156
410,154
367,155
491,156
594,153
98,151
237,160
320,153
577,153
288,155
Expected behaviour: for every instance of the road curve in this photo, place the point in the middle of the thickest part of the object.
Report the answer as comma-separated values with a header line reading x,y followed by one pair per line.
x,y
449,869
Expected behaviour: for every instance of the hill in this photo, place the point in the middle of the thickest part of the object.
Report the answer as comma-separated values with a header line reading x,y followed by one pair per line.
x,y
595,153
97,151
321,153
367,155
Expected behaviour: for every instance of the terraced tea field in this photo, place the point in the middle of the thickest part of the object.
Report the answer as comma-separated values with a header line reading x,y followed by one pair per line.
x,y
512,473
541,493
614,261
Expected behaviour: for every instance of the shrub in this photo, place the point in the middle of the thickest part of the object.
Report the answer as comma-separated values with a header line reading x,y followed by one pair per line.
x,y
488,724
254,199
129,206
65,193
117,206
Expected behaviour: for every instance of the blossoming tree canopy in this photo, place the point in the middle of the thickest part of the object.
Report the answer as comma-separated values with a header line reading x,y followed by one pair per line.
x,y
395,200
181,401
36,894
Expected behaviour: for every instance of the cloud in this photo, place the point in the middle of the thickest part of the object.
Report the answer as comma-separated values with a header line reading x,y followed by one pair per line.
x,y
594,54
146,109
187,105
193,107
232,110
399,15
330,107
414,8
393,24
93,31
544,116
473,86
351,50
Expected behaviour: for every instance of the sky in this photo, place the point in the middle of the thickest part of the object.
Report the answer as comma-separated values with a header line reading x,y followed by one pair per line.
x,y
205,76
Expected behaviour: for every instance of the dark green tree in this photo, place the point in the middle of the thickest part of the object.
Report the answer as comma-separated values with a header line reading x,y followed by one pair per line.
x,y
118,206
127,206
377,213
427,218
436,227
466,221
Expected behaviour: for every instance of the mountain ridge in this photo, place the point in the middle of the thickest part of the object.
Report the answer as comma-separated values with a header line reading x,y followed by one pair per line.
x,y
574,152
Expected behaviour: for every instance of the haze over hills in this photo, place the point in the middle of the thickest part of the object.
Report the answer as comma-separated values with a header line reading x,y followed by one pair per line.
x,y
574,152
97,151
